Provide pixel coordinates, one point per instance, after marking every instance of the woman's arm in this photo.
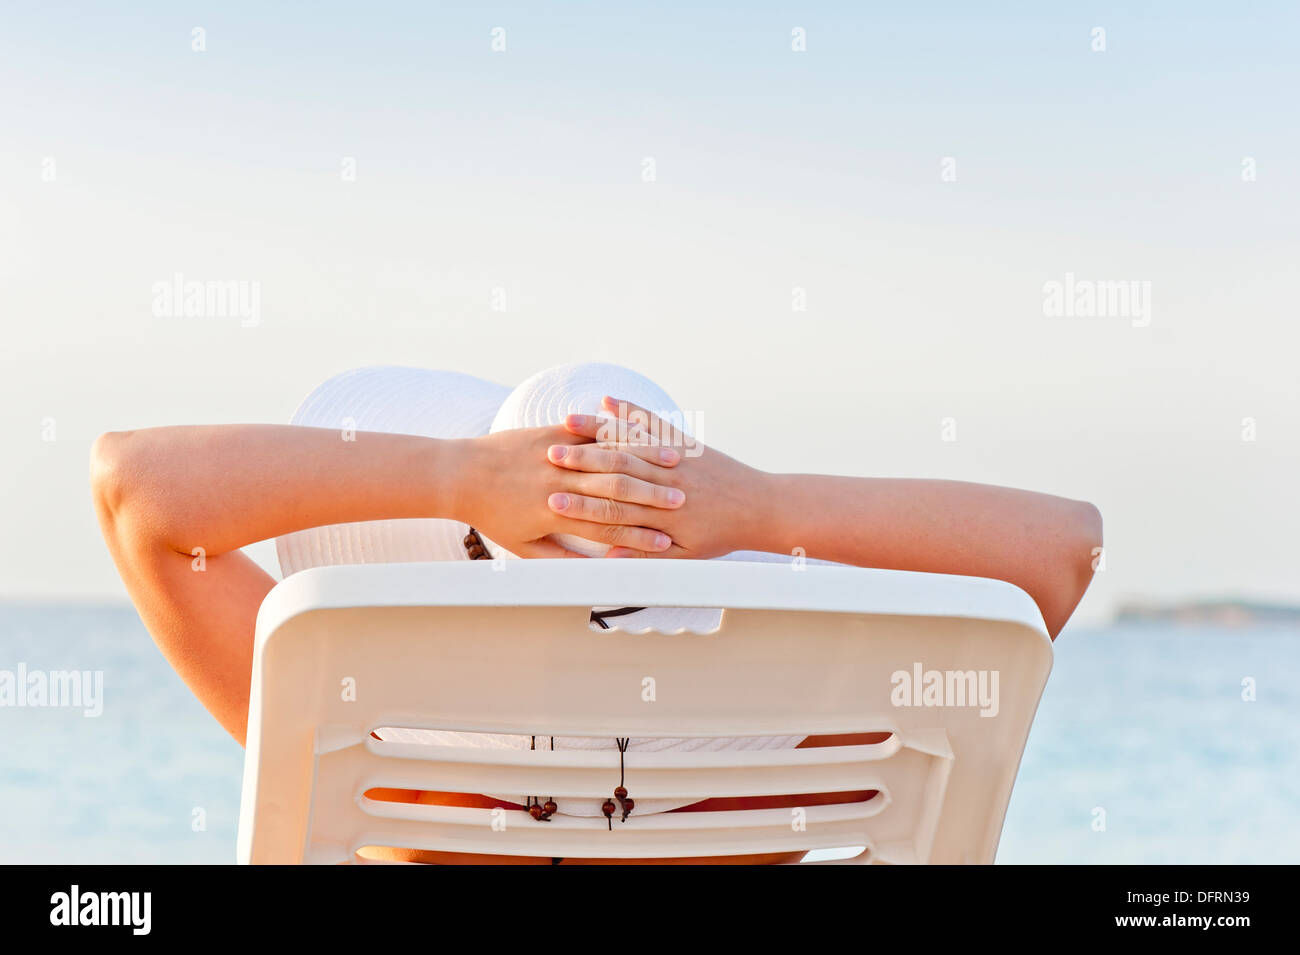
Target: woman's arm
(1043, 544)
(176, 504)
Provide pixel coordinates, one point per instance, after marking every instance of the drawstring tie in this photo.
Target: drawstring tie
(543, 811)
(620, 792)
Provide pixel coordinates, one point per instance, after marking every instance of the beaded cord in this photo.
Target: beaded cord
(543, 811)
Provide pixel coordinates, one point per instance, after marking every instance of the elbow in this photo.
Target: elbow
(105, 471)
(1080, 559)
(1088, 544)
(135, 514)
(110, 476)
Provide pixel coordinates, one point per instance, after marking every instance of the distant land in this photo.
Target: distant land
(1219, 613)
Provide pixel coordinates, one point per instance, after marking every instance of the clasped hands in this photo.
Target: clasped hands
(635, 483)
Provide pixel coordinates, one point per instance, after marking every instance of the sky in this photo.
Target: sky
(830, 231)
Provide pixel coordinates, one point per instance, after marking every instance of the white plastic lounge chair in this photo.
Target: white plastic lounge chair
(466, 647)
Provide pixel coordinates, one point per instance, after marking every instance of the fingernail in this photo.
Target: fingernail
(559, 501)
(676, 497)
(667, 455)
(558, 451)
(662, 541)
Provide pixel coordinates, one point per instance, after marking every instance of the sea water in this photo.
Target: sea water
(1153, 743)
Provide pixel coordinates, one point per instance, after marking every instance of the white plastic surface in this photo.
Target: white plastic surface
(473, 648)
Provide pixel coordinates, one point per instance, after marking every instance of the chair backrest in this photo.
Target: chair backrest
(953, 667)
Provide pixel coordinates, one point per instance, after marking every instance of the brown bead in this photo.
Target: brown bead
(628, 806)
(550, 807)
(535, 811)
(620, 793)
(607, 807)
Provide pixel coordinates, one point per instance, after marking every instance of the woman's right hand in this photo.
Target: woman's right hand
(509, 487)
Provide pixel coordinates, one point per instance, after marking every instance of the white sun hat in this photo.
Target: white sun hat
(442, 404)
(396, 400)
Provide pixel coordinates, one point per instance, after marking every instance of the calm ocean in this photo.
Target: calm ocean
(1143, 727)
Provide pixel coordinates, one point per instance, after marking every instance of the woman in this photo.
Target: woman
(436, 453)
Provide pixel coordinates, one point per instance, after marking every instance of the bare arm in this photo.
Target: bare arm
(163, 493)
(1045, 545)
(1041, 543)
